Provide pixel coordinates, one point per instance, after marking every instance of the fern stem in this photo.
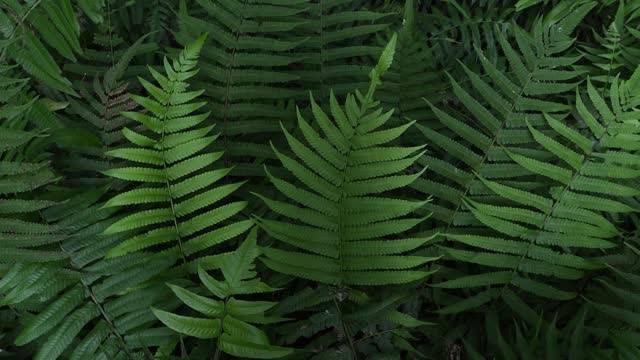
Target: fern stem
(108, 320)
(105, 145)
(173, 209)
(218, 354)
(228, 84)
(347, 333)
(110, 32)
(166, 176)
(345, 329)
(611, 57)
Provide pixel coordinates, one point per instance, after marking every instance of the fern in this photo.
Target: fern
(613, 50)
(242, 72)
(476, 147)
(454, 29)
(84, 306)
(161, 19)
(229, 318)
(499, 120)
(173, 169)
(413, 76)
(55, 24)
(590, 177)
(524, 113)
(567, 332)
(23, 175)
(340, 46)
(331, 235)
(93, 9)
(339, 232)
(50, 276)
(617, 299)
(353, 324)
(101, 122)
(107, 51)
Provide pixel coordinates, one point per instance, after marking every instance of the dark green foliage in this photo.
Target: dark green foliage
(245, 70)
(319, 179)
(55, 25)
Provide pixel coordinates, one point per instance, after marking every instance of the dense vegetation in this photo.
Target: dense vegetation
(319, 179)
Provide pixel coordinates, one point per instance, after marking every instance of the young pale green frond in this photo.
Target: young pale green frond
(229, 318)
(346, 235)
(174, 168)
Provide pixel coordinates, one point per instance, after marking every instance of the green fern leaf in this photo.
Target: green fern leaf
(173, 165)
(340, 220)
(229, 317)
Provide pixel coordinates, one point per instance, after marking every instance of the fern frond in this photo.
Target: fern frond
(229, 318)
(346, 197)
(22, 182)
(413, 76)
(572, 214)
(244, 70)
(616, 298)
(453, 30)
(97, 116)
(84, 307)
(173, 167)
(56, 25)
(338, 54)
(501, 112)
(612, 52)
